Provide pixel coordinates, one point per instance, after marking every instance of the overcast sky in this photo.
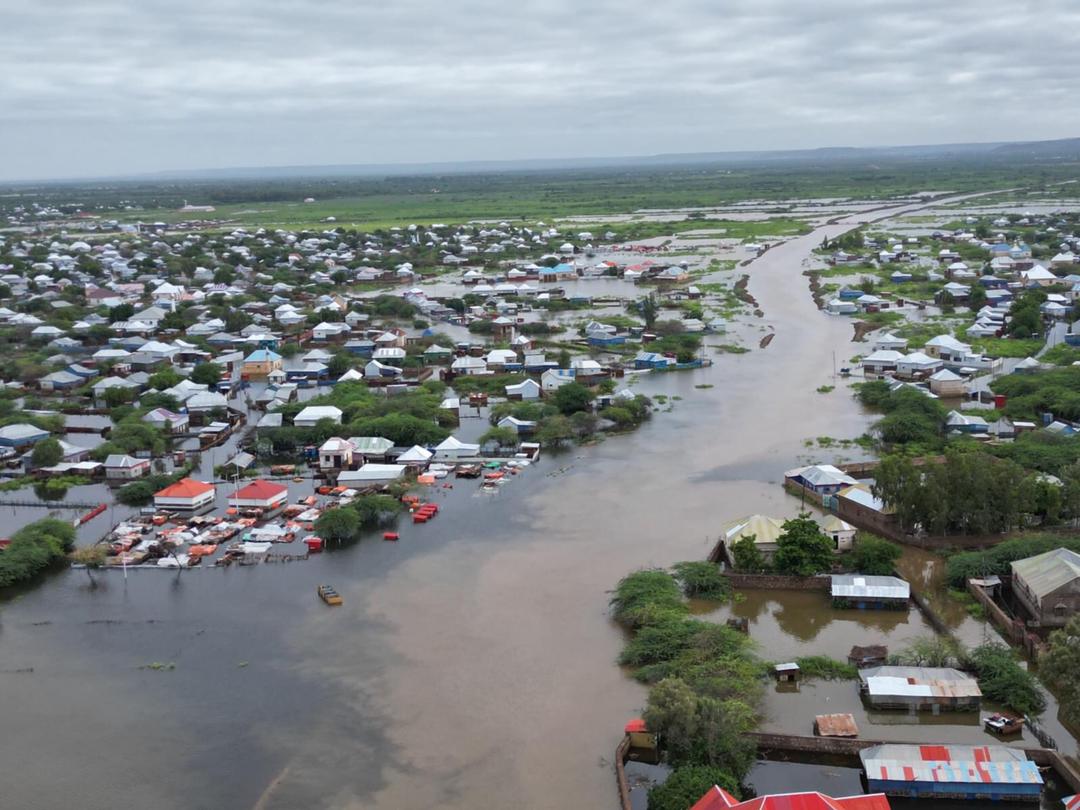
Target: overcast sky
(101, 87)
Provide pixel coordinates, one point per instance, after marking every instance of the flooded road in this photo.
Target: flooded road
(472, 664)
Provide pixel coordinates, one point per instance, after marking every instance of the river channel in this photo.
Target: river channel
(472, 664)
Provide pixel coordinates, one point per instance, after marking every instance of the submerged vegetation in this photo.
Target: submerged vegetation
(706, 680)
(33, 549)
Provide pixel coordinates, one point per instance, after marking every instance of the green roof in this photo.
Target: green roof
(1045, 573)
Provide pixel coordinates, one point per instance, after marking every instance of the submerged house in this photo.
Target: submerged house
(865, 591)
(931, 689)
(186, 494)
(974, 773)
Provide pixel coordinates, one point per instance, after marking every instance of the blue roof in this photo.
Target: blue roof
(262, 356)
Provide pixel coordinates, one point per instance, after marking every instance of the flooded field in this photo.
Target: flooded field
(472, 663)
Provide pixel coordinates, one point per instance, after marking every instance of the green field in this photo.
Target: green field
(371, 203)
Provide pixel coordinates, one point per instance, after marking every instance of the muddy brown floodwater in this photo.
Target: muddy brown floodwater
(472, 664)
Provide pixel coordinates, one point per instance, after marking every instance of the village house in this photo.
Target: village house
(335, 454)
(187, 494)
(119, 467)
(168, 420)
(260, 494)
(822, 479)
(1048, 586)
(260, 364)
(931, 689)
(313, 414)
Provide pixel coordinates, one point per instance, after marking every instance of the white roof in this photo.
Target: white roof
(372, 472)
(416, 453)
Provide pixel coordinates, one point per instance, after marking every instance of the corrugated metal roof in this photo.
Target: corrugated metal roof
(1045, 573)
(919, 682)
(988, 764)
(869, 587)
(836, 725)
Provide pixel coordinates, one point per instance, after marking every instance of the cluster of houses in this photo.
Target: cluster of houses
(1007, 268)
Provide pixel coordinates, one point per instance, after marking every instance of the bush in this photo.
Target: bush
(802, 550)
(826, 669)
(34, 548)
(686, 785)
(702, 580)
(645, 594)
(1003, 680)
(873, 555)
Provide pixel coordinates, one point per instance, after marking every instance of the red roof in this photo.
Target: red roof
(260, 490)
(720, 799)
(185, 488)
(1072, 802)
(635, 726)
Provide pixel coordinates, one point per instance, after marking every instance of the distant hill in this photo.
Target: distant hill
(1065, 149)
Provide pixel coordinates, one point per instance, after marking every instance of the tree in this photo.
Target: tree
(121, 312)
(1060, 666)
(747, 556)
(91, 558)
(554, 431)
(166, 378)
(46, 453)
(649, 309)
(564, 359)
(686, 785)
(501, 437)
(341, 523)
(873, 555)
(802, 550)
(206, 374)
(572, 397)
(33, 548)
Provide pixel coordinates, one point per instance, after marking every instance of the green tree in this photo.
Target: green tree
(873, 555)
(1060, 666)
(554, 431)
(341, 523)
(501, 437)
(649, 309)
(686, 785)
(747, 556)
(166, 378)
(572, 397)
(121, 312)
(801, 549)
(46, 453)
(206, 374)
(34, 548)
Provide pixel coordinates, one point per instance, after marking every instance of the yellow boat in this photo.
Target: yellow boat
(330, 596)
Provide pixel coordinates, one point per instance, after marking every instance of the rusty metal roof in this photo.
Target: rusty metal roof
(836, 725)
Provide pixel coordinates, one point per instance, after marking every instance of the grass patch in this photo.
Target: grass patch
(822, 667)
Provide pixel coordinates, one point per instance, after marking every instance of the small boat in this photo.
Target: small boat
(330, 596)
(1003, 724)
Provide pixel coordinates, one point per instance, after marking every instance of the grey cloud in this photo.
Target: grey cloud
(117, 86)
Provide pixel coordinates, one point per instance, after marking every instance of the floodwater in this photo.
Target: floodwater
(472, 664)
(791, 624)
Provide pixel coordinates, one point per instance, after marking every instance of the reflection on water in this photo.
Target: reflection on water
(789, 624)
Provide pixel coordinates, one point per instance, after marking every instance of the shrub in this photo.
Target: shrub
(686, 785)
(644, 594)
(873, 555)
(702, 580)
